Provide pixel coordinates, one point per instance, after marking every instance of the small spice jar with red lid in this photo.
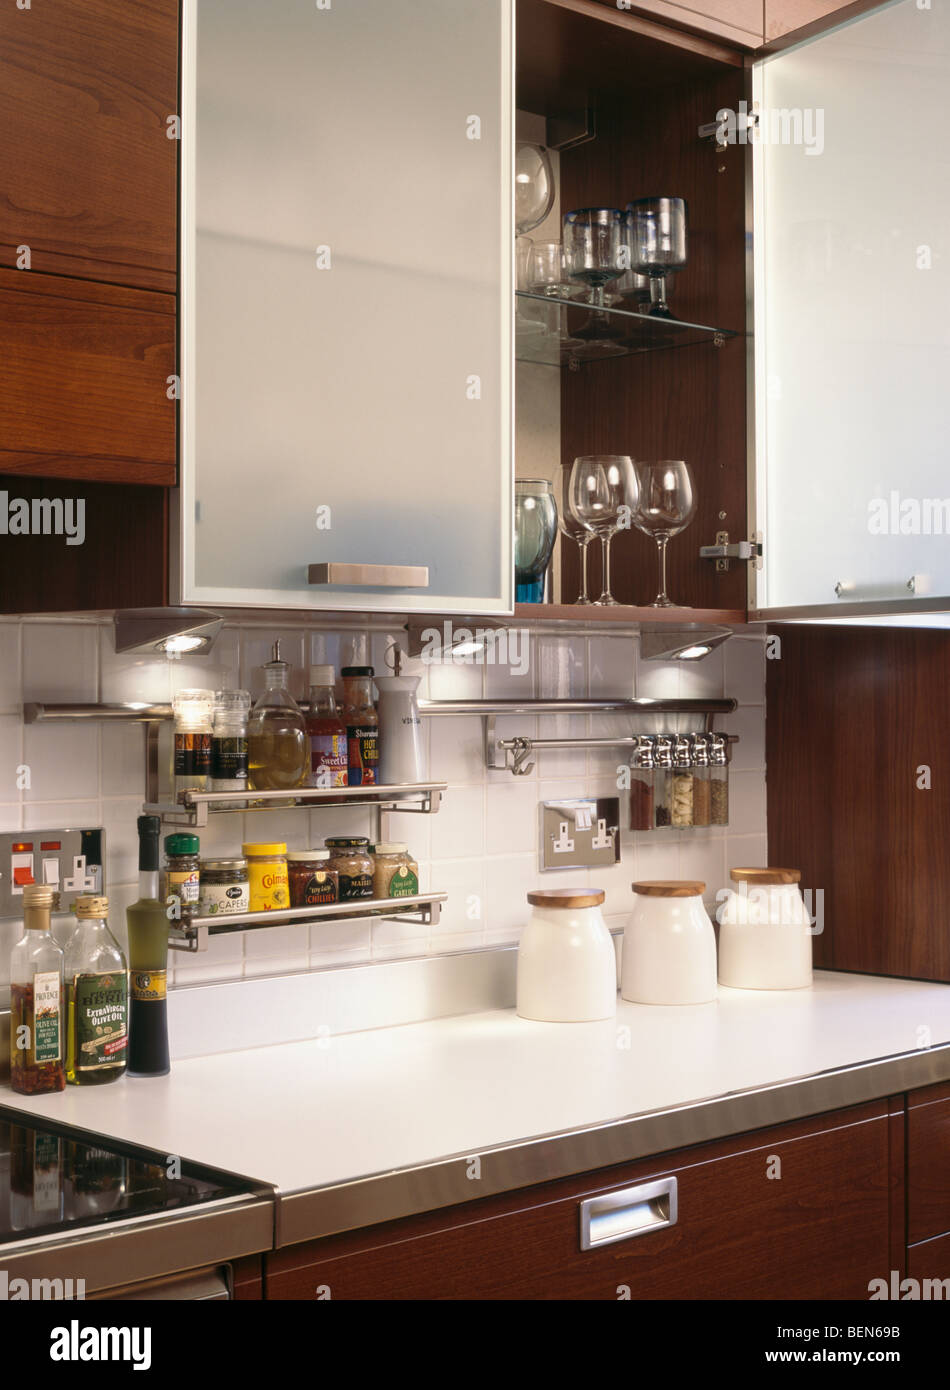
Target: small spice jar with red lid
(312, 881)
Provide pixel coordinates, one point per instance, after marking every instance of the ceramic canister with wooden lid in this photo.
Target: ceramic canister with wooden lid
(567, 966)
(669, 946)
(765, 932)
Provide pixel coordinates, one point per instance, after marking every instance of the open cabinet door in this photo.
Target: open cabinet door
(852, 320)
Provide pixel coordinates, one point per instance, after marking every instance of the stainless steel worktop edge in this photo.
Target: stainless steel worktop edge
(446, 1182)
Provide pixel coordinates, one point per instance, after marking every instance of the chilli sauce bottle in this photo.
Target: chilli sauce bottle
(148, 962)
(327, 732)
(37, 1031)
(362, 726)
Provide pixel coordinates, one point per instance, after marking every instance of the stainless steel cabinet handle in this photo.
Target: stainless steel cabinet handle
(375, 576)
(633, 1211)
(875, 590)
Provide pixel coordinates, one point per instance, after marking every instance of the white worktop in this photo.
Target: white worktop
(304, 1115)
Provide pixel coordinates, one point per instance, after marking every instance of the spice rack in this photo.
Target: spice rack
(193, 807)
(423, 907)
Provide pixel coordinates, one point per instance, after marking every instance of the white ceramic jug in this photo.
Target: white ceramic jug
(400, 728)
(567, 966)
(669, 946)
(765, 934)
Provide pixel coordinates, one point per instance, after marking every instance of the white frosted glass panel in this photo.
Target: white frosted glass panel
(853, 312)
(342, 394)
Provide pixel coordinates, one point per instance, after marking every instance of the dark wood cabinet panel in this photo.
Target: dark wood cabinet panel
(852, 719)
(928, 1163)
(85, 393)
(89, 175)
(247, 1279)
(800, 1211)
(930, 1260)
(122, 562)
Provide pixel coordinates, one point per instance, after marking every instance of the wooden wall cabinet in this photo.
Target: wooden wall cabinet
(820, 1231)
(928, 1166)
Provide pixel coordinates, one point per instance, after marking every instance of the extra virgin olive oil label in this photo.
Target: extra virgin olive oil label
(148, 984)
(47, 1016)
(101, 1019)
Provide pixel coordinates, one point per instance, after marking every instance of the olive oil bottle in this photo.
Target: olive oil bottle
(97, 998)
(148, 962)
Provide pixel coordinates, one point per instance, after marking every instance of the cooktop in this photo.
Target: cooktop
(54, 1180)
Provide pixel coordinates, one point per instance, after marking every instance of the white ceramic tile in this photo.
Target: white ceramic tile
(746, 852)
(458, 830)
(511, 817)
(605, 762)
(661, 679)
(748, 722)
(704, 859)
(455, 748)
(702, 678)
(410, 829)
(63, 761)
(120, 895)
(615, 882)
(657, 856)
(219, 669)
(339, 941)
(288, 826)
(744, 662)
(10, 816)
(223, 836)
(223, 960)
(563, 762)
(747, 803)
(123, 759)
(10, 694)
(612, 663)
(61, 815)
(128, 676)
(561, 672)
(447, 679)
(270, 950)
(118, 818)
(398, 940)
(61, 662)
(336, 820)
(11, 757)
(463, 913)
(512, 671)
(508, 882)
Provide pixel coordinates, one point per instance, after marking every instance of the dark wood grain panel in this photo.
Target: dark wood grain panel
(88, 175)
(85, 383)
(928, 1170)
(122, 563)
(930, 1260)
(684, 403)
(851, 716)
(738, 21)
(819, 1231)
(897, 1181)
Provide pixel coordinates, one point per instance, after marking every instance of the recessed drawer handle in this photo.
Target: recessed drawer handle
(375, 576)
(634, 1211)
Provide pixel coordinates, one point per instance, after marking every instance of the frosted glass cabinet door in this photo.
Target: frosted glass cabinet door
(346, 248)
(852, 197)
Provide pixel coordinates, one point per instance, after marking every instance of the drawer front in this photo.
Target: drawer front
(928, 1163)
(786, 1213)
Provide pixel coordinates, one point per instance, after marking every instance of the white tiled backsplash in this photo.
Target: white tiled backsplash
(481, 848)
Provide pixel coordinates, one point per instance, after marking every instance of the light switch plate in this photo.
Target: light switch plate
(68, 861)
(583, 832)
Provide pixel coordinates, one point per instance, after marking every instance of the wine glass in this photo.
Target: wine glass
(528, 322)
(534, 186)
(601, 485)
(574, 530)
(546, 274)
(666, 505)
(659, 244)
(595, 254)
(535, 534)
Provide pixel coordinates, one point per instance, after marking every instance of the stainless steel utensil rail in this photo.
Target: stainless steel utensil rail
(420, 907)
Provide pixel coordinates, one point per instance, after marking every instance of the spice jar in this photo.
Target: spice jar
(702, 796)
(362, 726)
(193, 728)
(224, 888)
(681, 798)
(182, 876)
(642, 767)
(312, 881)
(229, 742)
(353, 864)
(663, 781)
(719, 780)
(268, 879)
(395, 872)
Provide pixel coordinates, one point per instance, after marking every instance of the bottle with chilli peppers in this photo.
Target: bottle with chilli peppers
(36, 1002)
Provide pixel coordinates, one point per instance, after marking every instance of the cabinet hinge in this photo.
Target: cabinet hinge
(723, 552)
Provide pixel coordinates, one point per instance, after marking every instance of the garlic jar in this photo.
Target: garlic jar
(567, 966)
(765, 932)
(669, 946)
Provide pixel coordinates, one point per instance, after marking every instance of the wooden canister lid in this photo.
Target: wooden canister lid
(765, 876)
(669, 887)
(566, 897)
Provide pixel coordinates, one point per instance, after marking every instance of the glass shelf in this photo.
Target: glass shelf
(546, 328)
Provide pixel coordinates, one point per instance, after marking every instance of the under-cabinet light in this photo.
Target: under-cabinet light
(166, 631)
